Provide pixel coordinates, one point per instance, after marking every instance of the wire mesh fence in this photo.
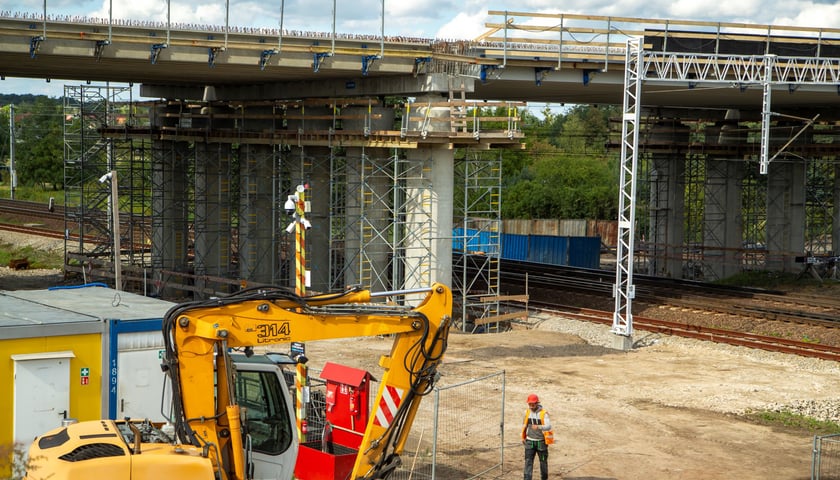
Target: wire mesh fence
(825, 460)
(446, 441)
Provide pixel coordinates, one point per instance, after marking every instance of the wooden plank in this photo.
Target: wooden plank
(500, 318)
(502, 298)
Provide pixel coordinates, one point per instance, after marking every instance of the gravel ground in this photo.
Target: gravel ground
(600, 335)
(30, 278)
(592, 334)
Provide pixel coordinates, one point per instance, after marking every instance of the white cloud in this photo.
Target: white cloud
(465, 25)
(450, 19)
(812, 15)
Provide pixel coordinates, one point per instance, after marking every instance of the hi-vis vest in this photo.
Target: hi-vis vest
(548, 434)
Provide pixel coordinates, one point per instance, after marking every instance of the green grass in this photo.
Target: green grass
(37, 258)
(32, 194)
(788, 419)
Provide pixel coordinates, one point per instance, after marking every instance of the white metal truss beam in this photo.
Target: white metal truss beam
(624, 290)
(738, 70)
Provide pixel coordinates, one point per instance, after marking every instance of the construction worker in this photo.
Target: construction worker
(537, 434)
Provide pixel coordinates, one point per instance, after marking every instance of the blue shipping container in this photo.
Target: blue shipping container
(582, 252)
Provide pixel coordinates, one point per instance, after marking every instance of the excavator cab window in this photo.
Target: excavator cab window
(266, 418)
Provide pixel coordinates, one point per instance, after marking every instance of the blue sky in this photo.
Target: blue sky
(462, 19)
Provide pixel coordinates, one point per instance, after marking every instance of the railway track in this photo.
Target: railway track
(34, 211)
(32, 230)
(806, 325)
(596, 287)
(32, 218)
(718, 335)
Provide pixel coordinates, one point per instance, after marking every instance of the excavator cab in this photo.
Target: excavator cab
(269, 436)
(232, 416)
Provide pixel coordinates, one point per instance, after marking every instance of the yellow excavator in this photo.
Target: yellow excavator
(229, 423)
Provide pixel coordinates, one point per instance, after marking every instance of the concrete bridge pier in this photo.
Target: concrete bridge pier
(170, 204)
(428, 213)
(258, 214)
(317, 177)
(667, 199)
(310, 166)
(370, 184)
(212, 213)
(785, 214)
(835, 214)
(722, 221)
(369, 174)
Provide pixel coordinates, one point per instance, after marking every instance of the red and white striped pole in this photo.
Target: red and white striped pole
(300, 289)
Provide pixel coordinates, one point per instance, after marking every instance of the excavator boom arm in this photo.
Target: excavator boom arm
(198, 336)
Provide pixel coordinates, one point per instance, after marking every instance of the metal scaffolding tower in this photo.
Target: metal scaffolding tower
(475, 269)
(88, 157)
(696, 69)
(218, 174)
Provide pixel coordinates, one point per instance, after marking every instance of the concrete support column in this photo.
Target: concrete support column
(370, 187)
(786, 198)
(723, 221)
(785, 215)
(835, 224)
(428, 214)
(722, 225)
(667, 212)
(212, 212)
(170, 204)
(352, 214)
(318, 237)
(170, 223)
(667, 204)
(258, 216)
(310, 166)
(372, 204)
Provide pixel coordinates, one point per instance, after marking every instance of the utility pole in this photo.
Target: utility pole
(114, 210)
(12, 172)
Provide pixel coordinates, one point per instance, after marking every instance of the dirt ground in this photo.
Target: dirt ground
(668, 410)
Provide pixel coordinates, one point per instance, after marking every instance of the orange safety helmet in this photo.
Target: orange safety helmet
(533, 398)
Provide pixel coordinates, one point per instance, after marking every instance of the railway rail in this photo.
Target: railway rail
(596, 287)
(32, 211)
(32, 218)
(806, 325)
(718, 335)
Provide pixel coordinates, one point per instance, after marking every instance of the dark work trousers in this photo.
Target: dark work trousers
(539, 449)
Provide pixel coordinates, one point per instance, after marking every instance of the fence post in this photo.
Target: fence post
(435, 431)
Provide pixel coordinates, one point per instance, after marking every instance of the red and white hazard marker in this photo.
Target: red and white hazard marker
(388, 406)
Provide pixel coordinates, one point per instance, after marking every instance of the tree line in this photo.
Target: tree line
(564, 171)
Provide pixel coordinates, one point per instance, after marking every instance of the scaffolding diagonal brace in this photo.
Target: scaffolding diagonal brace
(155, 50)
(265, 56)
(367, 61)
(420, 65)
(34, 45)
(212, 54)
(100, 47)
(318, 59)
